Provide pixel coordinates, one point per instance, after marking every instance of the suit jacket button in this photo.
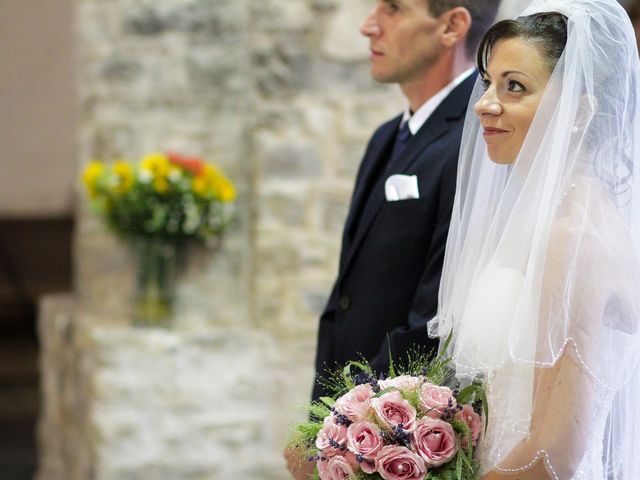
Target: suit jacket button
(344, 302)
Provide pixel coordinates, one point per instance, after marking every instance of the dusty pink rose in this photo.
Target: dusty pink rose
(468, 415)
(355, 403)
(400, 463)
(336, 468)
(435, 399)
(391, 409)
(331, 437)
(435, 441)
(368, 466)
(363, 438)
(323, 468)
(403, 382)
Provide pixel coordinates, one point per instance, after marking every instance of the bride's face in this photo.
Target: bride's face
(515, 79)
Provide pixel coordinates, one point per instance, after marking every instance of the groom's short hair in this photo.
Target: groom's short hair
(483, 14)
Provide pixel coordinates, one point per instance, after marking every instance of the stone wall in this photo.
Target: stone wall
(277, 92)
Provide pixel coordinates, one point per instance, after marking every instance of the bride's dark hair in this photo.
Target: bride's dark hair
(546, 30)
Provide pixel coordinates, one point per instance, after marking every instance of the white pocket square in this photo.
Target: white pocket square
(401, 187)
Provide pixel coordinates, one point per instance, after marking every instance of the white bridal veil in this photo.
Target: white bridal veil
(541, 283)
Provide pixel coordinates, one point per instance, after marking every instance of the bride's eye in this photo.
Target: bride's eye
(516, 87)
(485, 84)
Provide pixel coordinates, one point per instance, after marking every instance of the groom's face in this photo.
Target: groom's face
(403, 40)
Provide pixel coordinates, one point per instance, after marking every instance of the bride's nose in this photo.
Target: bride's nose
(488, 104)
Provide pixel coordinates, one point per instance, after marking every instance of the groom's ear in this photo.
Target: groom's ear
(456, 23)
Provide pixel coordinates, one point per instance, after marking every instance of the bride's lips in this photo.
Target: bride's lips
(490, 131)
(375, 53)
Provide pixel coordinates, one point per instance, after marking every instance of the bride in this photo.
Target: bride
(541, 284)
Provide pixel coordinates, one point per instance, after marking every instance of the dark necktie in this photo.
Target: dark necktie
(402, 138)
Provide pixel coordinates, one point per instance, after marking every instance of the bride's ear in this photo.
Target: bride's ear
(456, 22)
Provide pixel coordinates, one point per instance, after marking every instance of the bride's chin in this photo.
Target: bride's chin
(501, 160)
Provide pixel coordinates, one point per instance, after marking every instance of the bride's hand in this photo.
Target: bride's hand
(299, 468)
(537, 472)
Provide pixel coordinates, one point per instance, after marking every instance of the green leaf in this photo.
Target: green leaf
(392, 369)
(467, 394)
(466, 460)
(328, 401)
(459, 466)
(447, 341)
(485, 407)
(319, 411)
(365, 367)
(382, 392)
(346, 375)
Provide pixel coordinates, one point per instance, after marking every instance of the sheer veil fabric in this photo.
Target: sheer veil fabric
(541, 283)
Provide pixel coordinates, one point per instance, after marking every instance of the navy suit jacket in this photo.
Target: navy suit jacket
(391, 259)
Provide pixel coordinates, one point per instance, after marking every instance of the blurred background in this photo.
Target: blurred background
(275, 92)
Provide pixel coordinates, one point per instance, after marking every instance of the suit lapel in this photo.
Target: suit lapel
(372, 164)
(452, 108)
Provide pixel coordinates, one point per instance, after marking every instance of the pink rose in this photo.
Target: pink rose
(323, 468)
(435, 400)
(403, 382)
(336, 468)
(400, 463)
(332, 438)
(363, 438)
(392, 410)
(468, 415)
(355, 403)
(434, 440)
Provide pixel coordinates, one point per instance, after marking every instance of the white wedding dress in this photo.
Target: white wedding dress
(524, 425)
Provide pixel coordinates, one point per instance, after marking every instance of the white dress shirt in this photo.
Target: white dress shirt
(421, 115)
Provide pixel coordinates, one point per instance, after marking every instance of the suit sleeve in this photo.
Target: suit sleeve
(425, 301)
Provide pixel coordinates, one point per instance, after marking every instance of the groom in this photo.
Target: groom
(395, 233)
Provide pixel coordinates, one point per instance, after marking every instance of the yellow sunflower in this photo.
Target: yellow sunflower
(123, 172)
(90, 176)
(158, 166)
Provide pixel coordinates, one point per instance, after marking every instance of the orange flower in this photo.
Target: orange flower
(190, 164)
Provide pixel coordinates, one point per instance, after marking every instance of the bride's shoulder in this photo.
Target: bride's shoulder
(588, 224)
(586, 209)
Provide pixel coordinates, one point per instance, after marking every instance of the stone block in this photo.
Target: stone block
(288, 158)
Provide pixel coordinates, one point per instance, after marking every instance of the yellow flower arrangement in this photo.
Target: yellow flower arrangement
(165, 196)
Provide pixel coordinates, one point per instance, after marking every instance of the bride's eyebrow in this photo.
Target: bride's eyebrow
(510, 72)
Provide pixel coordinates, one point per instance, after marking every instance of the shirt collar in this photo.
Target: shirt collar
(421, 115)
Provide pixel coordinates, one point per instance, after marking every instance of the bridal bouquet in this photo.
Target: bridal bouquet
(408, 426)
(164, 196)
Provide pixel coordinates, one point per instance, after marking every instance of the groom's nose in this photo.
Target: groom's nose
(370, 27)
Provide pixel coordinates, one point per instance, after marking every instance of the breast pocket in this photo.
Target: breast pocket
(404, 218)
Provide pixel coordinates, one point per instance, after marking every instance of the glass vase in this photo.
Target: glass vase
(157, 262)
